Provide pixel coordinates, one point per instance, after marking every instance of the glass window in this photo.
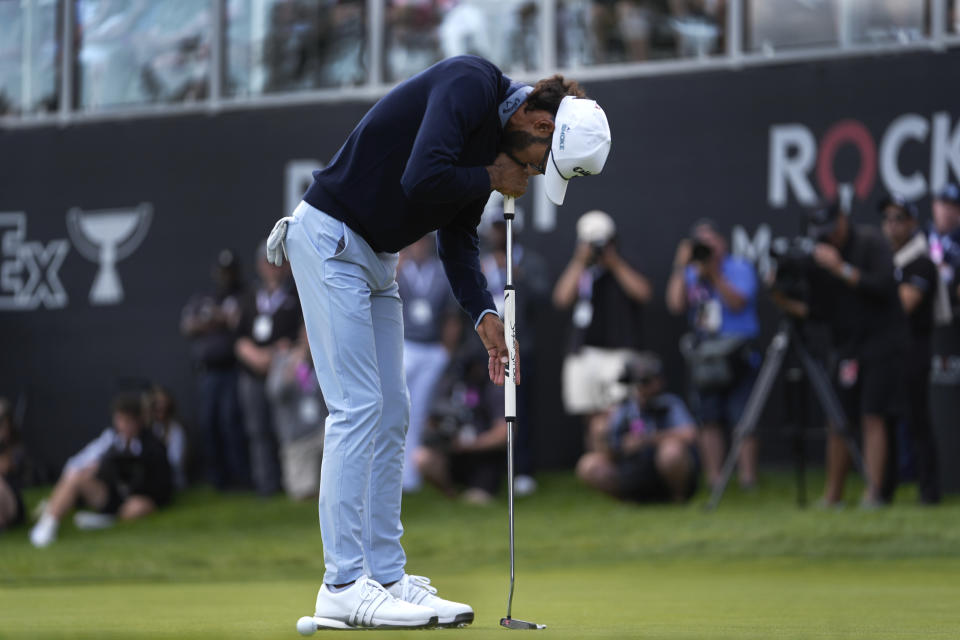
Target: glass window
(29, 56)
(882, 21)
(612, 31)
(141, 51)
(783, 24)
(294, 45)
(421, 32)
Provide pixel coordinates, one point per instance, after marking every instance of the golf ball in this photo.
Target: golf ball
(306, 626)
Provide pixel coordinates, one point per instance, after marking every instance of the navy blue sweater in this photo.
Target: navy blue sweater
(416, 162)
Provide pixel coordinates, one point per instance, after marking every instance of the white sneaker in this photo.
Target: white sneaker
(92, 521)
(367, 605)
(44, 532)
(417, 590)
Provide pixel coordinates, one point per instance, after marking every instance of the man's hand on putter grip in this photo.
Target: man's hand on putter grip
(490, 331)
(508, 177)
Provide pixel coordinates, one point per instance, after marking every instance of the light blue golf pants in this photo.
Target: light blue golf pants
(354, 320)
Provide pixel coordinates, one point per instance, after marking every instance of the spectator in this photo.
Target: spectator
(647, 449)
(412, 37)
(269, 319)
(463, 447)
(717, 291)
(298, 413)
(916, 277)
(168, 430)
(124, 473)
(531, 280)
(607, 296)
(852, 290)
(431, 331)
(210, 321)
(944, 240)
(621, 29)
(11, 457)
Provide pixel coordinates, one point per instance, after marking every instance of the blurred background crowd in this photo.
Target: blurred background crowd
(134, 52)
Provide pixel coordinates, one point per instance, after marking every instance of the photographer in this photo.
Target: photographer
(717, 291)
(649, 451)
(607, 297)
(466, 435)
(917, 281)
(851, 289)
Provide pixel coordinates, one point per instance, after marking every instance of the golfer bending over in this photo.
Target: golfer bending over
(425, 157)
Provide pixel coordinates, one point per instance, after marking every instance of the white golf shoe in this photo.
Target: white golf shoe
(367, 605)
(44, 532)
(417, 590)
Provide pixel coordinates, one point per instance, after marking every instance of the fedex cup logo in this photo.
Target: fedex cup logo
(106, 237)
(798, 162)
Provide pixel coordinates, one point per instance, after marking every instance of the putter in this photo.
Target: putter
(510, 401)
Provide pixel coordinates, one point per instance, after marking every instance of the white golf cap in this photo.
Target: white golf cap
(581, 142)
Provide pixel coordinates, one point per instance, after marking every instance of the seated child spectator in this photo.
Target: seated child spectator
(124, 473)
(648, 451)
(298, 413)
(466, 434)
(11, 456)
(167, 428)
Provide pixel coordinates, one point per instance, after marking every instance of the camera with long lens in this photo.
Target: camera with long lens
(794, 258)
(448, 418)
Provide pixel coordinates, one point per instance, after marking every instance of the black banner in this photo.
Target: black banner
(106, 229)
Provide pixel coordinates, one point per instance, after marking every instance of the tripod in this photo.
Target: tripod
(786, 341)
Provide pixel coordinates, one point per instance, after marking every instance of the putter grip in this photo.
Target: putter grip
(508, 206)
(510, 335)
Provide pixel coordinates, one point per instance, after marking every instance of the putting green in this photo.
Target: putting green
(588, 567)
(670, 600)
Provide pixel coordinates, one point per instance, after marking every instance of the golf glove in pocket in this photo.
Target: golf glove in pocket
(276, 249)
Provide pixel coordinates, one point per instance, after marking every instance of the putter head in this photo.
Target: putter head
(513, 623)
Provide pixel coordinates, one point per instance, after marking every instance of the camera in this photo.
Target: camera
(794, 258)
(700, 251)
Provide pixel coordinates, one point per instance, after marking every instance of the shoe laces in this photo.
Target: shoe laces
(371, 588)
(419, 583)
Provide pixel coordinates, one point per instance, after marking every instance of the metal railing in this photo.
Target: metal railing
(734, 54)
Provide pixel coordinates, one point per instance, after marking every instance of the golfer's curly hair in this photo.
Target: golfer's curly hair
(548, 93)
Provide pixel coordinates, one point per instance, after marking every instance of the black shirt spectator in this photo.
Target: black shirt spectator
(267, 316)
(867, 322)
(853, 290)
(270, 318)
(620, 323)
(917, 285)
(922, 274)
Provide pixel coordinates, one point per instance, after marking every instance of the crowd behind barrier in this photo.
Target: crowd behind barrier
(128, 53)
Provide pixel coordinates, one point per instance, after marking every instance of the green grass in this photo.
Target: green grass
(237, 566)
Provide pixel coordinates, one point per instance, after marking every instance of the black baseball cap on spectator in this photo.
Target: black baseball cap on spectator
(822, 221)
(949, 193)
(901, 203)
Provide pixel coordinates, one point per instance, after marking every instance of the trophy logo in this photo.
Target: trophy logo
(106, 237)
